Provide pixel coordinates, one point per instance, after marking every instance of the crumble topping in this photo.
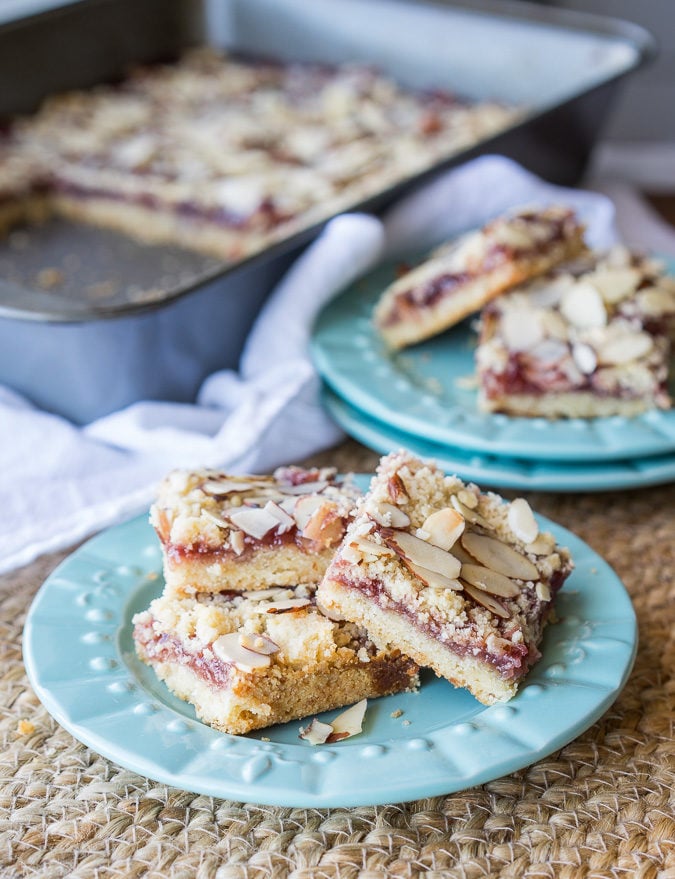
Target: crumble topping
(207, 510)
(249, 145)
(600, 324)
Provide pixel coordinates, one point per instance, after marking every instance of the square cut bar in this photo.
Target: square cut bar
(250, 660)
(462, 276)
(591, 338)
(220, 531)
(226, 155)
(461, 581)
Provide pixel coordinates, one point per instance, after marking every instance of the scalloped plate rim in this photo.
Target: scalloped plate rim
(264, 788)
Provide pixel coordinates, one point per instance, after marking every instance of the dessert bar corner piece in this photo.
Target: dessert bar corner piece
(250, 660)
(220, 531)
(461, 581)
(591, 338)
(460, 277)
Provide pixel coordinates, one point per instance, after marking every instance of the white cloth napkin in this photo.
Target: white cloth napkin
(60, 483)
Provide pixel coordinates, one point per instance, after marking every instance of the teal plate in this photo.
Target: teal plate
(503, 472)
(423, 391)
(80, 661)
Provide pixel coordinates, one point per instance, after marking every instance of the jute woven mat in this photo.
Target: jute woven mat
(601, 807)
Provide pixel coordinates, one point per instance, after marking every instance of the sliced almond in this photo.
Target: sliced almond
(468, 498)
(228, 648)
(543, 545)
(370, 547)
(329, 612)
(237, 541)
(324, 526)
(316, 733)
(521, 329)
(217, 520)
(258, 643)
(286, 522)
(390, 516)
(585, 358)
(305, 507)
(349, 723)
(490, 581)
(397, 490)
(469, 514)
(583, 307)
(615, 284)
(277, 593)
(304, 488)
(543, 591)
(655, 300)
(462, 555)
(444, 527)
(221, 488)
(521, 520)
(487, 601)
(624, 348)
(423, 554)
(499, 557)
(285, 605)
(433, 578)
(254, 521)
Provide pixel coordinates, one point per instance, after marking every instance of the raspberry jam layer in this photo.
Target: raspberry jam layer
(514, 660)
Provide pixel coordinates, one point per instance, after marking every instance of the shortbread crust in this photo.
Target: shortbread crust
(309, 662)
(461, 277)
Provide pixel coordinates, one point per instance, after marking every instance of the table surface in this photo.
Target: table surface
(601, 806)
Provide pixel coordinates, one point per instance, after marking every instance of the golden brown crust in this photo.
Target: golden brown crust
(319, 664)
(454, 623)
(459, 279)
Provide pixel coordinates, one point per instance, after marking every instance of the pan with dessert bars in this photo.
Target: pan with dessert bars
(92, 320)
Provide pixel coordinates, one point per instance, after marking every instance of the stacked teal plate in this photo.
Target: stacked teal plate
(424, 399)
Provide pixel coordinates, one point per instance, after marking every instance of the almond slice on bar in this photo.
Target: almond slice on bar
(370, 547)
(305, 507)
(469, 514)
(487, 601)
(286, 522)
(217, 520)
(304, 488)
(237, 541)
(490, 581)
(499, 557)
(254, 521)
(258, 643)
(521, 520)
(229, 486)
(390, 516)
(285, 605)
(444, 527)
(228, 648)
(432, 578)
(421, 553)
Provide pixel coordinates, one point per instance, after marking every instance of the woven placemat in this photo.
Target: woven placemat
(601, 807)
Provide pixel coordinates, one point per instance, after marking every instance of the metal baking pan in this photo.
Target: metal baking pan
(98, 341)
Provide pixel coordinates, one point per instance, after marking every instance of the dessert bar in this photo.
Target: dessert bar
(247, 661)
(462, 276)
(459, 580)
(591, 338)
(249, 532)
(226, 155)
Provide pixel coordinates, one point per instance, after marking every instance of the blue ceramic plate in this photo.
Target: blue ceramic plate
(423, 391)
(505, 472)
(81, 663)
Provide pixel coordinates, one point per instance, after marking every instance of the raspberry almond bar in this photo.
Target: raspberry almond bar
(220, 531)
(251, 660)
(461, 581)
(591, 338)
(462, 276)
